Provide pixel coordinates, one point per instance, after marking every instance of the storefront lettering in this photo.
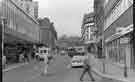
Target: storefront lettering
(124, 40)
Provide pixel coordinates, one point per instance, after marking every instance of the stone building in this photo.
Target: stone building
(48, 34)
(29, 6)
(88, 29)
(118, 29)
(114, 20)
(99, 23)
(20, 27)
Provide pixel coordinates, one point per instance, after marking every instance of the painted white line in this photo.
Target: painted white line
(33, 77)
(13, 67)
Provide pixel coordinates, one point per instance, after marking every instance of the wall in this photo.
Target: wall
(19, 21)
(123, 21)
(48, 34)
(114, 13)
(88, 27)
(99, 15)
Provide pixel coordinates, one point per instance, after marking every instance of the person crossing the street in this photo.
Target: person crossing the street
(87, 68)
(44, 60)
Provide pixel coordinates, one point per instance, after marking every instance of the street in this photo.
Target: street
(58, 72)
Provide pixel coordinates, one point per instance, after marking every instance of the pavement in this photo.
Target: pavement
(58, 72)
(13, 66)
(112, 71)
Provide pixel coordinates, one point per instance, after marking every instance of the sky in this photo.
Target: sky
(67, 15)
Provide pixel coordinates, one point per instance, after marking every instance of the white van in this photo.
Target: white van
(78, 58)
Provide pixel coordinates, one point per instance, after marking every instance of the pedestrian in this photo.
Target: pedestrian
(44, 60)
(33, 53)
(21, 57)
(4, 60)
(26, 55)
(87, 68)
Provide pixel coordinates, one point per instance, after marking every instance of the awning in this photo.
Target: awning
(124, 31)
(14, 36)
(89, 42)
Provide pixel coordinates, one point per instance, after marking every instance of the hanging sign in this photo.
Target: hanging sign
(124, 40)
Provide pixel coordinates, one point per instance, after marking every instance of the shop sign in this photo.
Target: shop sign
(124, 40)
(128, 29)
(125, 30)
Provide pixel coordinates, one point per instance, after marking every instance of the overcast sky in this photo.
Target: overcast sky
(66, 14)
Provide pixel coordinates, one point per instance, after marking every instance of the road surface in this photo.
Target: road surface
(58, 72)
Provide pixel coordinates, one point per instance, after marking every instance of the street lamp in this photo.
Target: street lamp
(125, 66)
(3, 27)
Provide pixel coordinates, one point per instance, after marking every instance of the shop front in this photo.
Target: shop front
(91, 46)
(119, 47)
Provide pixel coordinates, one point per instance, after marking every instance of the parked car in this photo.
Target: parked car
(78, 58)
(77, 61)
(63, 53)
(71, 51)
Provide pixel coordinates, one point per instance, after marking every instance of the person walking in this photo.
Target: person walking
(21, 57)
(4, 60)
(44, 60)
(87, 68)
(26, 55)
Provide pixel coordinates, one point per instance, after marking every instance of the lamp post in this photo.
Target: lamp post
(125, 66)
(3, 27)
(124, 42)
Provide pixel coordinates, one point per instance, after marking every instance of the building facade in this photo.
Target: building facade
(99, 23)
(118, 29)
(29, 6)
(48, 34)
(88, 28)
(20, 27)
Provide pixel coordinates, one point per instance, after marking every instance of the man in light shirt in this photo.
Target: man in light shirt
(44, 53)
(87, 67)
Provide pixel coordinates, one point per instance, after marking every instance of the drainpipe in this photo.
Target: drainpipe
(103, 52)
(125, 66)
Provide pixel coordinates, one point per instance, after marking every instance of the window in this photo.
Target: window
(129, 3)
(115, 13)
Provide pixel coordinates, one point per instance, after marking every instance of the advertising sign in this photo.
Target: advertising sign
(124, 40)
